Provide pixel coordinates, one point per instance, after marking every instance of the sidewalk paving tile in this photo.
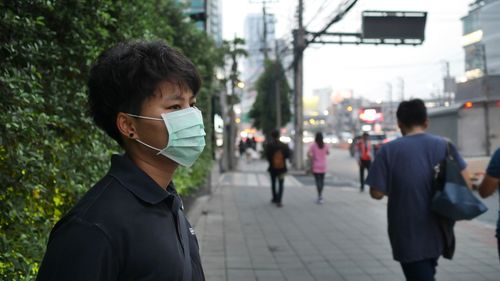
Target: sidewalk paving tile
(244, 237)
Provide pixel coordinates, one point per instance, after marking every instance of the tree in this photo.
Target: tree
(264, 111)
(232, 51)
(50, 151)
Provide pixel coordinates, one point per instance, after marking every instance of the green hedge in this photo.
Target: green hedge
(50, 151)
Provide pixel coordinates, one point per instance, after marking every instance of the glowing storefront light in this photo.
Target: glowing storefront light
(474, 73)
(370, 115)
(472, 37)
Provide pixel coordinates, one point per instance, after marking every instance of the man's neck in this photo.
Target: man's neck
(160, 170)
(415, 130)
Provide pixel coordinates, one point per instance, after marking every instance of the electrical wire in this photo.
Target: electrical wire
(316, 14)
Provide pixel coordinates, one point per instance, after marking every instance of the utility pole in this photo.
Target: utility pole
(232, 122)
(299, 45)
(449, 83)
(265, 48)
(402, 87)
(486, 93)
(448, 92)
(391, 110)
(277, 87)
(234, 51)
(264, 27)
(225, 133)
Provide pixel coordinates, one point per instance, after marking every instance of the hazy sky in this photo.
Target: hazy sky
(366, 69)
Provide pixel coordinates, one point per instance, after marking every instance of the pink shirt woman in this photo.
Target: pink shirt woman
(318, 157)
(318, 152)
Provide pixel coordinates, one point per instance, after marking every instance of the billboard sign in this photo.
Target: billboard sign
(394, 25)
(371, 115)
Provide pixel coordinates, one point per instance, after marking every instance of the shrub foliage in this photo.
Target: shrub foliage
(50, 152)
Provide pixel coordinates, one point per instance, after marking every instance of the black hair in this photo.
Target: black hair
(412, 113)
(124, 76)
(319, 139)
(275, 134)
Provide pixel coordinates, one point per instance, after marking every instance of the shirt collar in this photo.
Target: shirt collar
(137, 181)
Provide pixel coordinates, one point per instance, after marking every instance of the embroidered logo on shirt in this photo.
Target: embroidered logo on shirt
(191, 230)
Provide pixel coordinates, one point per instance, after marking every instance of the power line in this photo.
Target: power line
(343, 10)
(319, 11)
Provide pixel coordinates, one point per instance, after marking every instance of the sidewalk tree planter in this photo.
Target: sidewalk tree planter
(50, 151)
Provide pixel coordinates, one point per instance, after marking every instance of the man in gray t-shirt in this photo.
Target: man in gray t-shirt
(403, 171)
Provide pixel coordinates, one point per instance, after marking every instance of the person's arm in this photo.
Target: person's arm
(357, 154)
(466, 175)
(79, 251)
(488, 185)
(492, 178)
(287, 151)
(268, 152)
(378, 176)
(462, 164)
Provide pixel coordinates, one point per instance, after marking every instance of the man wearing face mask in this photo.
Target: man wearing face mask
(130, 225)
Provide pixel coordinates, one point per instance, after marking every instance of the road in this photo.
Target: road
(343, 172)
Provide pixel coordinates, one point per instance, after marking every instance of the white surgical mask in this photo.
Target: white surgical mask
(186, 135)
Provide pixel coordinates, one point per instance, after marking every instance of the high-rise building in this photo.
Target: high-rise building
(207, 15)
(324, 99)
(253, 65)
(481, 41)
(481, 38)
(214, 21)
(255, 44)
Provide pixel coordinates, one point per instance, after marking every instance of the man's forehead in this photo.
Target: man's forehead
(174, 91)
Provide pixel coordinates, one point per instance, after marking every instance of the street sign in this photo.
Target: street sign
(393, 25)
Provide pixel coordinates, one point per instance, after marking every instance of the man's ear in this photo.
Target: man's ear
(426, 124)
(402, 128)
(126, 126)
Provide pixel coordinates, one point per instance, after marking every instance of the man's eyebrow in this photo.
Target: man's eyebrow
(178, 97)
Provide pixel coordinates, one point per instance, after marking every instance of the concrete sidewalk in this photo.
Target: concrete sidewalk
(243, 237)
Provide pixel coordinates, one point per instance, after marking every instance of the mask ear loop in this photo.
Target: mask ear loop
(148, 118)
(144, 117)
(147, 145)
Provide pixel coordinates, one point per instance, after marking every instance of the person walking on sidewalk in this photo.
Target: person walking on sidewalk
(404, 172)
(363, 156)
(490, 183)
(276, 154)
(318, 152)
(130, 225)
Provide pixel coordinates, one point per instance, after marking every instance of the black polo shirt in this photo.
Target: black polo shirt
(124, 228)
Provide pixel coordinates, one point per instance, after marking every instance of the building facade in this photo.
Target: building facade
(481, 42)
(255, 44)
(207, 16)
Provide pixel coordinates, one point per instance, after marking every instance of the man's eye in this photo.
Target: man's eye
(173, 107)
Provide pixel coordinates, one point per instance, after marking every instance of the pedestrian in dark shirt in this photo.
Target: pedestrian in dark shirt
(241, 148)
(276, 154)
(404, 171)
(130, 225)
